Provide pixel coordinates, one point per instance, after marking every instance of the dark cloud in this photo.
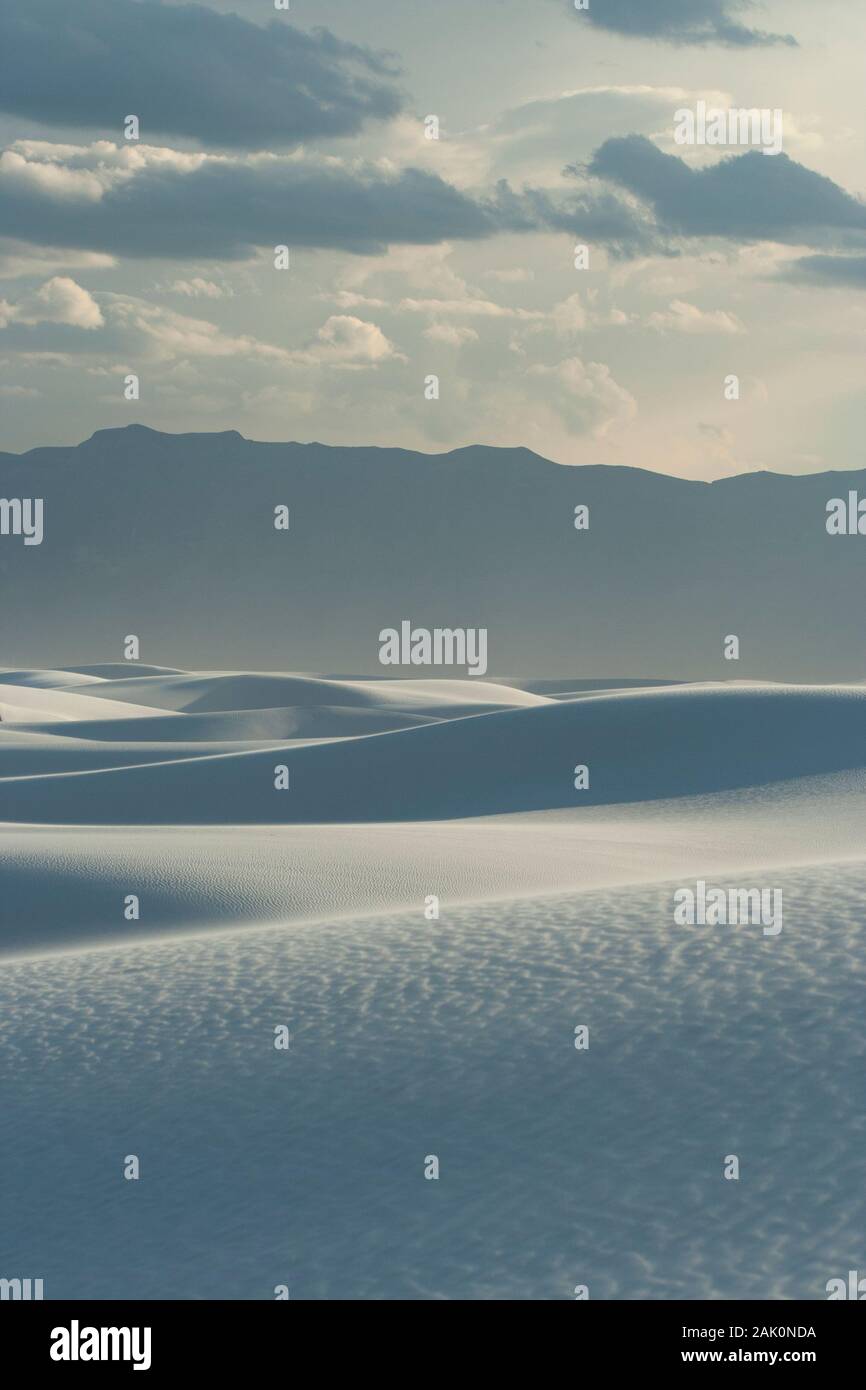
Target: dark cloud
(227, 209)
(598, 217)
(746, 197)
(186, 71)
(842, 272)
(632, 198)
(682, 21)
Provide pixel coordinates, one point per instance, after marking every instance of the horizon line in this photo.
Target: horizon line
(422, 453)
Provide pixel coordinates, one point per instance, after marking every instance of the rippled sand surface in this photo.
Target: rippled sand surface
(455, 1038)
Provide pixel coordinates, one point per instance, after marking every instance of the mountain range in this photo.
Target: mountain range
(172, 538)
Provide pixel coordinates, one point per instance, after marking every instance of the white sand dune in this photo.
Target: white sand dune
(412, 1036)
(46, 754)
(28, 701)
(236, 690)
(62, 887)
(48, 680)
(387, 804)
(239, 726)
(453, 1038)
(119, 670)
(638, 745)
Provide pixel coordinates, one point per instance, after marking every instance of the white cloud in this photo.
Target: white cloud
(452, 334)
(50, 179)
(169, 335)
(474, 308)
(96, 167)
(68, 302)
(84, 173)
(681, 317)
(199, 288)
(59, 300)
(18, 392)
(425, 268)
(18, 259)
(570, 316)
(514, 276)
(350, 299)
(349, 342)
(587, 396)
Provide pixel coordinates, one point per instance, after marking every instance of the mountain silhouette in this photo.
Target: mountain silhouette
(172, 538)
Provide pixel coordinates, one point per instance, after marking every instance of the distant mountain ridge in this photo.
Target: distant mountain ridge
(172, 538)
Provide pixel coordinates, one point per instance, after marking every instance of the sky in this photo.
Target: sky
(412, 258)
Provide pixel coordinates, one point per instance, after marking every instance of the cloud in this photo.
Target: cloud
(451, 333)
(18, 260)
(539, 142)
(67, 302)
(469, 307)
(129, 328)
(59, 300)
(745, 197)
(50, 179)
(681, 22)
(134, 328)
(681, 317)
(598, 218)
(162, 335)
(570, 316)
(161, 203)
(514, 276)
(189, 71)
(342, 341)
(351, 299)
(199, 288)
(347, 342)
(18, 392)
(586, 395)
(832, 271)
